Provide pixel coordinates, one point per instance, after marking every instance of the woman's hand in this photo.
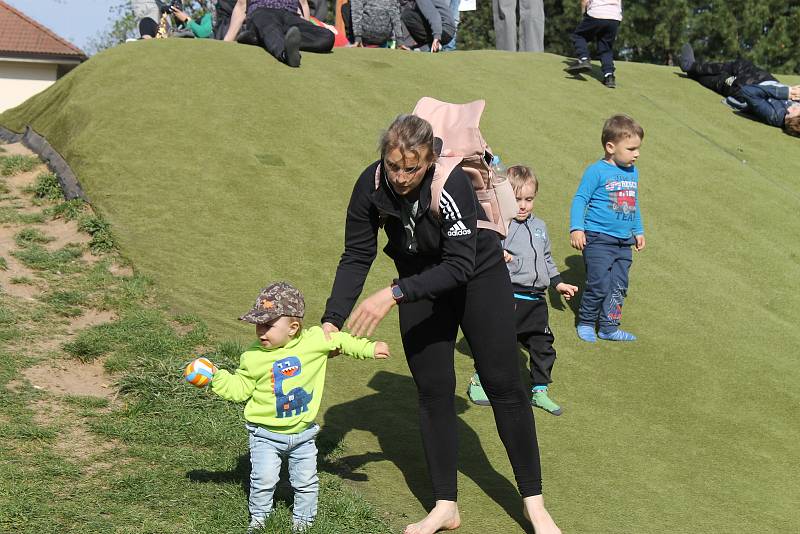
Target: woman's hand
(508, 257)
(367, 315)
(436, 46)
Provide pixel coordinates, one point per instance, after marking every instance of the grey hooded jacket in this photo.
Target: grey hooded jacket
(437, 14)
(532, 268)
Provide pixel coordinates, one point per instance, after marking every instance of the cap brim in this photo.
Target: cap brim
(258, 318)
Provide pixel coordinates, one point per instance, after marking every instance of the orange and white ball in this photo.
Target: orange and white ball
(199, 372)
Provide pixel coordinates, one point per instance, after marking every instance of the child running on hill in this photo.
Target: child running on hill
(532, 270)
(605, 221)
(601, 20)
(281, 376)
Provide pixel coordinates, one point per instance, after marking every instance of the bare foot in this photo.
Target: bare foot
(444, 516)
(535, 512)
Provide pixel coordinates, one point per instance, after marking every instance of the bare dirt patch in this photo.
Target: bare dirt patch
(76, 443)
(17, 149)
(16, 270)
(24, 180)
(72, 378)
(64, 233)
(120, 270)
(90, 318)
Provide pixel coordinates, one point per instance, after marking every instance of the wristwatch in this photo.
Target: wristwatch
(397, 293)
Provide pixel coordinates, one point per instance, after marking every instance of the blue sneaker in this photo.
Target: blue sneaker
(616, 335)
(586, 333)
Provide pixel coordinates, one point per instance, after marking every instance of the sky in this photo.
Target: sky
(75, 20)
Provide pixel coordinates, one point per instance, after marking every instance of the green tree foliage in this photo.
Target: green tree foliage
(765, 31)
(476, 29)
(123, 26)
(653, 31)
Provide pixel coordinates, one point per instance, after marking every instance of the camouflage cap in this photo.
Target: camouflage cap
(274, 301)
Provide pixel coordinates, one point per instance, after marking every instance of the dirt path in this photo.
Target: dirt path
(54, 374)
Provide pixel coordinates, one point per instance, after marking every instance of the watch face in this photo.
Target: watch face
(397, 293)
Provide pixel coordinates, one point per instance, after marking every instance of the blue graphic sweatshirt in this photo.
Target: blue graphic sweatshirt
(607, 201)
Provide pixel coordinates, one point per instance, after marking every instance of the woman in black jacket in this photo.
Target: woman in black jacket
(450, 274)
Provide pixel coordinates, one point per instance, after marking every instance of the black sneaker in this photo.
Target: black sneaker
(292, 46)
(582, 65)
(687, 57)
(609, 81)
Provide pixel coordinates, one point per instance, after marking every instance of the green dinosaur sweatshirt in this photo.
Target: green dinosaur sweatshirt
(283, 386)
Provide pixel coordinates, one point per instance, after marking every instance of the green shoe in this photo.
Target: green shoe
(475, 392)
(539, 399)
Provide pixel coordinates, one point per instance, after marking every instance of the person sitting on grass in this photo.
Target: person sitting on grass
(282, 376)
(372, 22)
(281, 27)
(747, 88)
(605, 222)
(526, 251)
(182, 24)
(429, 23)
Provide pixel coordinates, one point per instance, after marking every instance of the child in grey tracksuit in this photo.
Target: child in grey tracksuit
(530, 264)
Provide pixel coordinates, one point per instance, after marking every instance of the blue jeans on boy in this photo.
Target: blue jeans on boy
(604, 31)
(267, 451)
(608, 260)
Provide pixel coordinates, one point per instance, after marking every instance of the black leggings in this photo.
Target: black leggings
(484, 308)
(272, 25)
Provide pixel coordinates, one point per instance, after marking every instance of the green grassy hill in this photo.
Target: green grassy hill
(220, 170)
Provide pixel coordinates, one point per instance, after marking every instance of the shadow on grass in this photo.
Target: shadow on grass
(390, 414)
(574, 274)
(581, 76)
(241, 475)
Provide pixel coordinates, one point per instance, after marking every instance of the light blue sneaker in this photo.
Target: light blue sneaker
(540, 399)
(586, 333)
(617, 335)
(475, 391)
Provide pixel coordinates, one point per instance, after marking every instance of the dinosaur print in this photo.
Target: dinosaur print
(295, 400)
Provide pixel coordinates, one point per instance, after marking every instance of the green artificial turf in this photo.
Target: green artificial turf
(220, 170)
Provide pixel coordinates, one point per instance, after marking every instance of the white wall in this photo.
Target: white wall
(20, 81)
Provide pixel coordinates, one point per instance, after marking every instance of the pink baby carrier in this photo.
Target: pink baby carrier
(456, 128)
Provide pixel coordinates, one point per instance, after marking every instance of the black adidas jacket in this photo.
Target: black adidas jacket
(450, 248)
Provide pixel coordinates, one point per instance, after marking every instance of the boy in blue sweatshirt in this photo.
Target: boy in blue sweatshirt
(605, 221)
(527, 253)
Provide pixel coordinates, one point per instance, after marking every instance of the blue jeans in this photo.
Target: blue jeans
(267, 451)
(608, 260)
(451, 45)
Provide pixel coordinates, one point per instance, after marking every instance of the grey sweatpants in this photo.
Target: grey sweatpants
(531, 25)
